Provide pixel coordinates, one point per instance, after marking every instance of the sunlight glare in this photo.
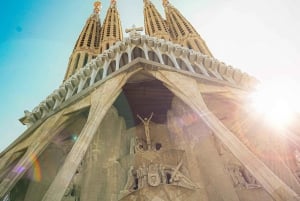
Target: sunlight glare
(276, 101)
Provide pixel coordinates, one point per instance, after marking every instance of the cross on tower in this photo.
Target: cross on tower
(134, 30)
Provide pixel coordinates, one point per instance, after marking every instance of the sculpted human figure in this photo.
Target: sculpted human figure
(146, 122)
(130, 180)
(144, 173)
(162, 174)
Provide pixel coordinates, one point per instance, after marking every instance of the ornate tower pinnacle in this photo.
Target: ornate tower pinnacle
(182, 31)
(155, 25)
(111, 29)
(88, 43)
(97, 6)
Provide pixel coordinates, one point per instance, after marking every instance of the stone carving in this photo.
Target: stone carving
(73, 193)
(146, 122)
(155, 175)
(241, 177)
(133, 32)
(130, 184)
(132, 146)
(154, 178)
(140, 145)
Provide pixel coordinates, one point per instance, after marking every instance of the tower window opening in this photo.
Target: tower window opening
(86, 58)
(90, 36)
(76, 63)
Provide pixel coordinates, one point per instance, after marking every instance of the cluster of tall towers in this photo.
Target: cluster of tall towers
(96, 37)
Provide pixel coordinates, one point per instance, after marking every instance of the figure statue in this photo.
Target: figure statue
(144, 171)
(140, 145)
(146, 122)
(242, 178)
(162, 174)
(129, 186)
(139, 176)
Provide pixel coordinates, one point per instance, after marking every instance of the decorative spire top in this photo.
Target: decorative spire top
(97, 7)
(165, 2)
(113, 3)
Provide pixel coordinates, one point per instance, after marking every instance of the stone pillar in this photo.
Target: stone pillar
(101, 169)
(205, 165)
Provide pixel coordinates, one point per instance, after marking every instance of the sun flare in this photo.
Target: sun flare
(277, 102)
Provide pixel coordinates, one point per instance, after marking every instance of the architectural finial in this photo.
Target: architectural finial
(97, 6)
(165, 2)
(134, 31)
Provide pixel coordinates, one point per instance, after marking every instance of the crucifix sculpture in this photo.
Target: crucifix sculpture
(146, 122)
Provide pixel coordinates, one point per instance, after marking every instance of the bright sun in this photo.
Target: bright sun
(277, 101)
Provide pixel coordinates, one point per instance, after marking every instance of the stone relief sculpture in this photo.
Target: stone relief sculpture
(140, 145)
(130, 184)
(73, 192)
(241, 177)
(154, 175)
(154, 178)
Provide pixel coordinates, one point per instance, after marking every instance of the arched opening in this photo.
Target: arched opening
(87, 83)
(99, 75)
(167, 60)
(86, 59)
(124, 59)
(111, 67)
(182, 64)
(75, 66)
(153, 57)
(197, 69)
(137, 52)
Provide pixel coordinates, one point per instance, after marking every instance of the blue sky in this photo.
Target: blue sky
(37, 38)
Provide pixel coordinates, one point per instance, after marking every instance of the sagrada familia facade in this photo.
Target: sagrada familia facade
(151, 117)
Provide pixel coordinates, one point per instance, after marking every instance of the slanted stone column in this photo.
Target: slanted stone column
(205, 165)
(101, 169)
(101, 100)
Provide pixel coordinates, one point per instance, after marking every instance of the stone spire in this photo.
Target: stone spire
(88, 43)
(182, 31)
(111, 29)
(155, 25)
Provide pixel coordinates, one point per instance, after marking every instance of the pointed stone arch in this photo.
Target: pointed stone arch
(167, 60)
(153, 56)
(182, 64)
(137, 52)
(124, 59)
(111, 67)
